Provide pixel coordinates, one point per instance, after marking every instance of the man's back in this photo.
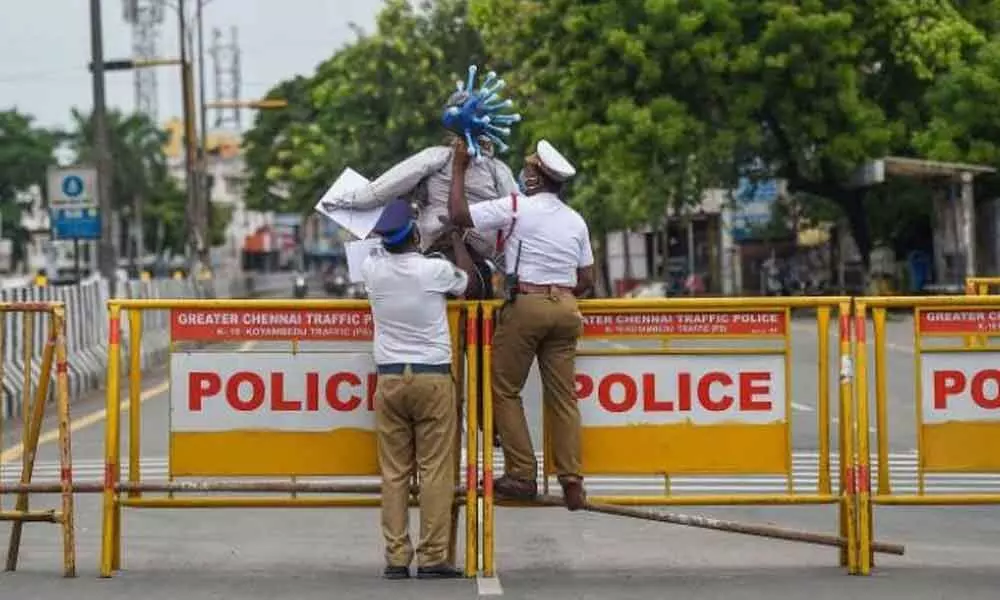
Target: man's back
(407, 294)
(554, 239)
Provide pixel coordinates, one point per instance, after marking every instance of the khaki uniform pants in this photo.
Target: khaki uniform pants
(546, 326)
(417, 422)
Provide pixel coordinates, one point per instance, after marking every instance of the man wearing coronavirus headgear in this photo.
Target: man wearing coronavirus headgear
(424, 178)
(549, 262)
(416, 411)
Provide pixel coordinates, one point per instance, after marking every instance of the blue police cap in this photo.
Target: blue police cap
(396, 222)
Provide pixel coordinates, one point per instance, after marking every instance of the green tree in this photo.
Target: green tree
(373, 103)
(675, 95)
(26, 152)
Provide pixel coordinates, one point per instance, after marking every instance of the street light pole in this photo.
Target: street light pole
(107, 261)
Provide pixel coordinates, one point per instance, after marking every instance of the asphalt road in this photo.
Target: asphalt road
(541, 553)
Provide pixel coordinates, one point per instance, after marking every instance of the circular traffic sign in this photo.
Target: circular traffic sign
(72, 186)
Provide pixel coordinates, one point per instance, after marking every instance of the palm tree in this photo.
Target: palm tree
(140, 173)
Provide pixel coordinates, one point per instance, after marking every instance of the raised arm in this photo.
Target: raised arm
(458, 204)
(484, 216)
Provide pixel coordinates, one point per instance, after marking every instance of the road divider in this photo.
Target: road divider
(87, 330)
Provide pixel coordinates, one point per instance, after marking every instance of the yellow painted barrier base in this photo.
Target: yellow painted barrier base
(273, 453)
(686, 449)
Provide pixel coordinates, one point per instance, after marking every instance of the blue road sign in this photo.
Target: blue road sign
(76, 223)
(72, 186)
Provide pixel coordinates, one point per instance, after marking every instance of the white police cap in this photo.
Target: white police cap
(553, 163)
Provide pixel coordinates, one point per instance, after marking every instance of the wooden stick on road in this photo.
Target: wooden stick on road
(703, 522)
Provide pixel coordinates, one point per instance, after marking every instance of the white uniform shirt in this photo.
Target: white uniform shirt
(407, 295)
(554, 238)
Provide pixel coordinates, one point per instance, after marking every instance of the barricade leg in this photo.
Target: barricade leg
(32, 419)
(472, 324)
(111, 514)
(848, 521)
(134, 394)
(457, 362)
(33, 416)
(861, 474)
(65, 449)
(488, 524)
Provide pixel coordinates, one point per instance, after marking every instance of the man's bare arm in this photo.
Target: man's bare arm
(458, 205)
(463, 260)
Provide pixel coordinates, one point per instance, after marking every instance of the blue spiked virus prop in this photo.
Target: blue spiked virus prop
(475, 114)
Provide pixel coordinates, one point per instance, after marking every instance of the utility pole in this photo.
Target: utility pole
(195, 240)
(205, 199)
(107, 261)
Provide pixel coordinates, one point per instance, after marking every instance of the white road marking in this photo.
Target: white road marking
(802, 407)
(805, 467)
(489, 586)
(871, 428)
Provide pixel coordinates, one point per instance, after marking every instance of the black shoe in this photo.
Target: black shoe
(439, 572)
(392, 572)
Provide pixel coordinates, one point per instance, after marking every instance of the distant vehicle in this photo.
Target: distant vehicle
(336, 282)
(300, 287)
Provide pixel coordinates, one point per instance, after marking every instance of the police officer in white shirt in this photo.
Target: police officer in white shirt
(415, 399)
(549, 262)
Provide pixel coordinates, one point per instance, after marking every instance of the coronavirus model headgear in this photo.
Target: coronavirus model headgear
(475, 114)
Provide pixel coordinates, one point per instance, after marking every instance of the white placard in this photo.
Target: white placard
(272, 391)
(357, 251)
(621, 391)
(960, 387)
(358, 222)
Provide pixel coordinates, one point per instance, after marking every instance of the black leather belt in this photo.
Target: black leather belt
(415, 368)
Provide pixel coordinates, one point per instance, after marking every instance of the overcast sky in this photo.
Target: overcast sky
(45, 48)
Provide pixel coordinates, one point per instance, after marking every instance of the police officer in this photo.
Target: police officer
(549, 262)
(415, 401)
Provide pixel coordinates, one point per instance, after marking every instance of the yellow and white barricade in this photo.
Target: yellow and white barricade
(273, 389)
(955, 399)
(715, 400)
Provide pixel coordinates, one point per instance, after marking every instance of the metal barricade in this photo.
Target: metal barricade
(33, 403)
(239, 410)
(956, 399)
(714, 401)
(979, 286)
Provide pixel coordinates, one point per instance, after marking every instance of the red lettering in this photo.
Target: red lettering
(584, 385)
(202, 384)
(946, 383)
(278, 402)
(257, 391)
(753, 384)
(684, 392)
(979, 381)
(604, 393)
(649, 401)
(704, 392)
(312, 392)
(332, 392)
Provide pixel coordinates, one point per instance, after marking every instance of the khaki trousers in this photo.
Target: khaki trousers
(546, 326)
(417, 421)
